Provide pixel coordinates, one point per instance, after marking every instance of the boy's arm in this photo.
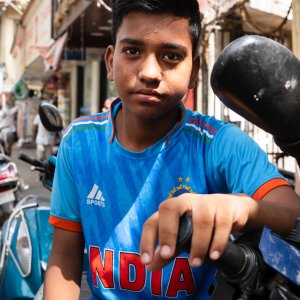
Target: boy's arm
(63, 274)
(215, 216)
(278, 210)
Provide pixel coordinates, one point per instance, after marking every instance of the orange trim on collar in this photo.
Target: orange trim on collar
(65, 224)
(268, 186)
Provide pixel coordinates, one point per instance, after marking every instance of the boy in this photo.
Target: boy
(148, 161)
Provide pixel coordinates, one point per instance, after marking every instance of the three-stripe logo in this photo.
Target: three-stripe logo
(96, 196)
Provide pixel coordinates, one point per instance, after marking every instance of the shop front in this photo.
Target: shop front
(32, 40)
(87, 26)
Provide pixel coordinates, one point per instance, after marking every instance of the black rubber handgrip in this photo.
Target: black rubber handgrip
(232, 262)
(233, 259)
(185, 233)
(30, 160)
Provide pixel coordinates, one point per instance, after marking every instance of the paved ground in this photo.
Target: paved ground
(35, 187)
(30, 177)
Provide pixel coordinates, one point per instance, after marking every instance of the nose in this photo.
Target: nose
(150, 70)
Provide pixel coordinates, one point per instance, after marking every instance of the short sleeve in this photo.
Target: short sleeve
(236, 164)
(64, 198)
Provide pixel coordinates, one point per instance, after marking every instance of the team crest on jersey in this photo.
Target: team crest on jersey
(181, 188)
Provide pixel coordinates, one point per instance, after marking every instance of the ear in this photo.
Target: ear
(195, 72)
(109, 55)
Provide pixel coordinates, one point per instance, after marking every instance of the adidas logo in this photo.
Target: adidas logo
(95, 197)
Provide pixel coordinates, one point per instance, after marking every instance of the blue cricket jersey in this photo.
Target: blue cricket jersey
(108, 192)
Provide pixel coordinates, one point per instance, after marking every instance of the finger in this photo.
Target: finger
(203, 226)
(158, 262)
(148, 239)
(169, 214)
(222, 230)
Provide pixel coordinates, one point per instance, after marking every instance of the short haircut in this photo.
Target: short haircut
(188, 9)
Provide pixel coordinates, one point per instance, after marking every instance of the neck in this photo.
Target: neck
(136, 134)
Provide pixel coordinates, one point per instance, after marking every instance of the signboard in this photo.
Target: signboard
(73, 53)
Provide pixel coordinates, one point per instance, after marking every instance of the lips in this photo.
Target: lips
(147, 92)
(147, 96)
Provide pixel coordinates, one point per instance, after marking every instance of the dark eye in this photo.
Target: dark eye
(131, 51)
(173, 57)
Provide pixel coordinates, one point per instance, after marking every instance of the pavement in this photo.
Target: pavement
(30, 178)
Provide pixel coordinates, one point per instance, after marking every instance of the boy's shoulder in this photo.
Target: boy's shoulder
(94, 118)
(204, 123)
(88, 122)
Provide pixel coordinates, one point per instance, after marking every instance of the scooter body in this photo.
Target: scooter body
(27, 237)
(25, 247)
(10, 185)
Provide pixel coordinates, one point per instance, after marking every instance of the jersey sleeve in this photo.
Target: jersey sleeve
(236, 164)
(65, 212)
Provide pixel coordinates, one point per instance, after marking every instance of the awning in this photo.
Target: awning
(46, 64)
(35, 72)
(53, 57)
(260, 22)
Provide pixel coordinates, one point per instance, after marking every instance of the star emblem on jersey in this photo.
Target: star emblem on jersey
(95, 197)
(182, 188)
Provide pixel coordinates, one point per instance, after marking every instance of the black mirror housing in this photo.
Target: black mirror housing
(50, 117)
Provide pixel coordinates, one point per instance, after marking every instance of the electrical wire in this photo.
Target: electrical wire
(105, 5)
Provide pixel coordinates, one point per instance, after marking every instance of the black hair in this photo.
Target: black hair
(179, 8)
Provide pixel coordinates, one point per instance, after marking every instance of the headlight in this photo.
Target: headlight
(24, 249)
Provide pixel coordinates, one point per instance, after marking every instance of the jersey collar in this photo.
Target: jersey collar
(117, 104)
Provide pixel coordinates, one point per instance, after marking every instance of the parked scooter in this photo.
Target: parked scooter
(26, 239)
(259, 79)
(10, 187)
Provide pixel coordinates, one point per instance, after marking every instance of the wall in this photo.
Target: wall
(37, 23)
(6, 41)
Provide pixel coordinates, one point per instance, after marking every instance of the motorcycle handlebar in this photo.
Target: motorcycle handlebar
(32, 161)
(236, 262)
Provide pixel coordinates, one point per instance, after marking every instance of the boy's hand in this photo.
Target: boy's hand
(214, 217)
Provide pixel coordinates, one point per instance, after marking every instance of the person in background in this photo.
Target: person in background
(107, 103)
(45, 140)
(8, 131)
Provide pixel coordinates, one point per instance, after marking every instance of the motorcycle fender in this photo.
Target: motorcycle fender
(280, 255)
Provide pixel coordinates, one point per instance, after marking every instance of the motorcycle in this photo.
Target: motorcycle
(10, 187)
(26, 239)
(258, 79)
(26, 236)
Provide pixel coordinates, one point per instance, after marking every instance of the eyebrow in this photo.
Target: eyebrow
(135, 42)
(132, 42)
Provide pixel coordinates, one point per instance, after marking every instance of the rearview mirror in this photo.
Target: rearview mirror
(50, 117)
(259, 79)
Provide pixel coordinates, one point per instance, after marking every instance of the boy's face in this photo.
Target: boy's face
(152, 64)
